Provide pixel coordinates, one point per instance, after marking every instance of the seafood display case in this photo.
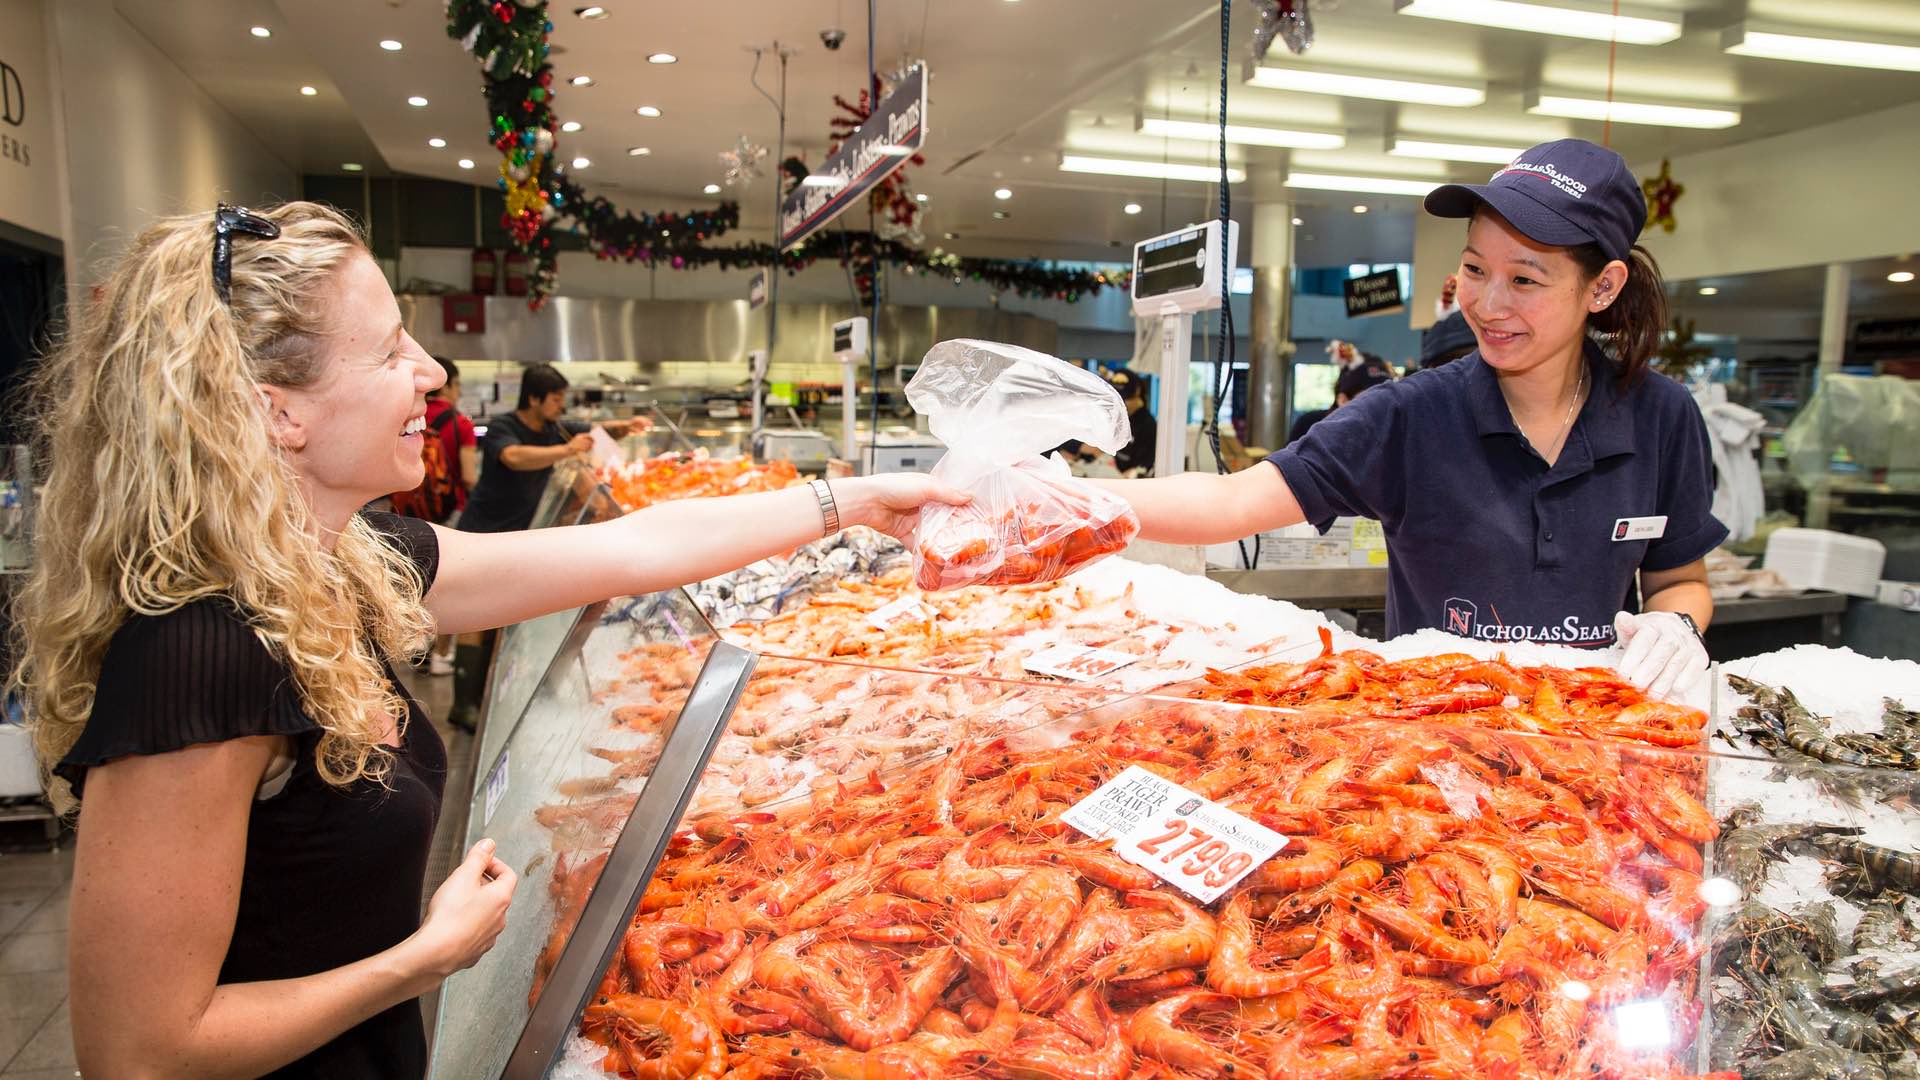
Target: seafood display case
(828, 868)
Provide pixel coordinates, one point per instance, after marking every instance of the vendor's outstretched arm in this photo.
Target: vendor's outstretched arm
(1207, 508)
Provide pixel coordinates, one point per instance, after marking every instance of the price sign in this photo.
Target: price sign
(903, 609)
(1192, 843)
(496, 788)
(1077, 663)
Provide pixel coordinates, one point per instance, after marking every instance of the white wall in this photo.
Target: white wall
(142, 138)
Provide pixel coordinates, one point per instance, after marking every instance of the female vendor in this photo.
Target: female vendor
(1524, 487)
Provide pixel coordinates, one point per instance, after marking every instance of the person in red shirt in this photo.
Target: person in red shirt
(463, 450)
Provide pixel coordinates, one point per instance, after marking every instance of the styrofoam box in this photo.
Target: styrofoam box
(1901, 594)
(1822, 559)
(19, 770)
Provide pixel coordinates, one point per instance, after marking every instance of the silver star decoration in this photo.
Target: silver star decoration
(742, 163)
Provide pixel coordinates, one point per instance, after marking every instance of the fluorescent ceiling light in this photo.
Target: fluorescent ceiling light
(711, 189)
(352, 166)
(1568, 19)
(1358, 84)
(1632, 112)
(1819, 47)
(1452, 151)
(1153, 170)
(1709, 290)
(1242, 134)
(391, 45)
(436, 143)
(822, 180)
(648, 111)
(1360, 208)
(1377, 185)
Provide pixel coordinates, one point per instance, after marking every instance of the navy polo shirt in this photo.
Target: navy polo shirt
(1483, 538)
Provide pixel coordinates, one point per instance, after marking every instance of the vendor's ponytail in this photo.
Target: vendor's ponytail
(1635, 322)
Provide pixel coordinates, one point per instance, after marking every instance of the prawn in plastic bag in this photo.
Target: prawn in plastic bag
(999, 408)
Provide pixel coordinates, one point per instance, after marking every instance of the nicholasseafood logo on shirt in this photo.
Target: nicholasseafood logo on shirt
(1548, 173)
(1462, 617)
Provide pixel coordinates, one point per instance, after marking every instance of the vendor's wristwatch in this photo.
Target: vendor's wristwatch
(1695, 627)
(829, 513)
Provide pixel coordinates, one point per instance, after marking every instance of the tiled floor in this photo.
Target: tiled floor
(36, 1041)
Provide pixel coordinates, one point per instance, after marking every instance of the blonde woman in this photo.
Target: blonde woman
(208, 647)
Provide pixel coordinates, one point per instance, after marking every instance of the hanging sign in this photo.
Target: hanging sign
(757, 290)
(895, 131)
(1190, 842)
(1374, 294)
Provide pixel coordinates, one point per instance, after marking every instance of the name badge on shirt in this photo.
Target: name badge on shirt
(1640, 528)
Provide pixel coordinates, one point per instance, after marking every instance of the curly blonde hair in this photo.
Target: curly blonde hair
(166, 488)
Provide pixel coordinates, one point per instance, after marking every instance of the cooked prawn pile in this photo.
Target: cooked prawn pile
(1453, 902)
(676, 475)
(1455, 688)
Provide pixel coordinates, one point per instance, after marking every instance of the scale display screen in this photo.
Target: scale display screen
(1170, 264)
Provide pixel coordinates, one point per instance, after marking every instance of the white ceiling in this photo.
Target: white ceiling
(1014, 84)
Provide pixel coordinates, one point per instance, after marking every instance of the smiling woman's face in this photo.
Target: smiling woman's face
(354, 434)
(1524, 300)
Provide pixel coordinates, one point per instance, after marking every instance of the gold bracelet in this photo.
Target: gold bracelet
(829, 512)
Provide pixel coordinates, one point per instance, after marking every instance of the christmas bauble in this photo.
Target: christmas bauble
(543, 141)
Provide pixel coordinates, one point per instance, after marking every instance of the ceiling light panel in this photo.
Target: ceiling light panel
(1154, 170)
(1342, 82)
(1453, 151)
(1377, 185)
(1565, 18)
(1776, 42)
(1241, 134)
(1543, 103)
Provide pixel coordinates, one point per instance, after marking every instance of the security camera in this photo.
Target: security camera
(832, 37)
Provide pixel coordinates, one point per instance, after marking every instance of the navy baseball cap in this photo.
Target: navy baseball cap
(1566, 193)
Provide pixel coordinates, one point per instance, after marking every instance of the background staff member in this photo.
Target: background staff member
(521, 449)
(1524, 486)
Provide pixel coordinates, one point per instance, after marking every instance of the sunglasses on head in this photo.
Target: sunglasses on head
(228, 220)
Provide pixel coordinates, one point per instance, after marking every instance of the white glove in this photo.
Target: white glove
(1659, 651)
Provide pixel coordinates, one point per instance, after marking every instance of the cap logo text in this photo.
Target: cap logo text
(1548, 173)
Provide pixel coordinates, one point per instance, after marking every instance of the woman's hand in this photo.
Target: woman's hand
(467, 913)
(891, 502)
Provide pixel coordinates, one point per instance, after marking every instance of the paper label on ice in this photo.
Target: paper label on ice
(496, 789)
(605, 450)
(1192, 843)
(902, 609)
(1077, 662)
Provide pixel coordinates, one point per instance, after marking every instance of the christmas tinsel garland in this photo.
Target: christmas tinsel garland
(509, 40)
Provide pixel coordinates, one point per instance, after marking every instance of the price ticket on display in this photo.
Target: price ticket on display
(903, 609)
(1077, 662)
(1192, 843)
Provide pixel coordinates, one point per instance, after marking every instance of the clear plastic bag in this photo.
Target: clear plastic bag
(999, 408)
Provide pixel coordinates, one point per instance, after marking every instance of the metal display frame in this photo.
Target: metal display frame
(635, 856)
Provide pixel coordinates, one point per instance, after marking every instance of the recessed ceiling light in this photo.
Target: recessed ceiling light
(581, 163)
(711, 189)
(261, 31)
(391, 45)
(1900, 277)
(437, 143)
(951, 235)
(1632, 112)
(308, 91)
(648, 111)
(1003, 194)
(581, 80)
(1297, 221)
(662, 58)
(1709, 290)
(1820, 47)
(1373, 185)
(1130, 208)
(571, 126)
(1360, 208)
(1347, 83)
(417, 101)
(1001, 215)
(352, 166)
(1156, 170)
(1452, 151)
(1242, 134)
(1567, 18)
(591, 11)
(638, 151)
(466, 163)
(919, 196)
